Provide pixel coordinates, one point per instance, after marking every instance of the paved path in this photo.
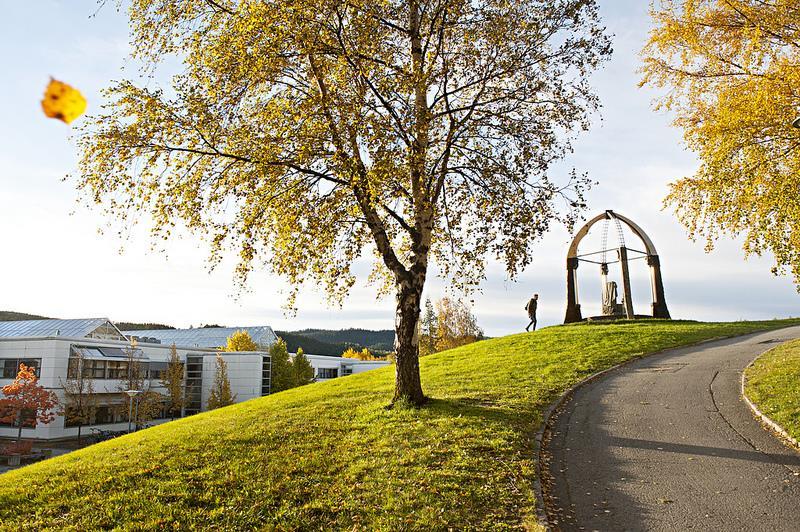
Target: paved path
(666, 443)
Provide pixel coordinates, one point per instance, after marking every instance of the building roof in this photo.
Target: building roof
(77, 328)
(213, 337)
(93, 352)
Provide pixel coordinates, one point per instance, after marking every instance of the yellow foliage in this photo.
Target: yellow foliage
(63, 102)
(455, 325)
(397, 130)
(364, 354)
(730, 72)
(241, 341)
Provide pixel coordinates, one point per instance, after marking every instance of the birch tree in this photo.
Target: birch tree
(305, 135)
(731, 70)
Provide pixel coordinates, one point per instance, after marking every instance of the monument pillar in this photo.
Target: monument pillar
(573, 306)
(626, 282)
(659, 301)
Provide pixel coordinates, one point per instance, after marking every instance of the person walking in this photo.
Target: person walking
(531, 308)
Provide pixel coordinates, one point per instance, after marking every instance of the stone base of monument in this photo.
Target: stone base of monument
(618, 318)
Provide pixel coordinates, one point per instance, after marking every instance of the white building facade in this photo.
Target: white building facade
(52, 347)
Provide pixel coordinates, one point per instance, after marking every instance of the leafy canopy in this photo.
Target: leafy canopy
(282, 373)
(731, 72)
(302, 133)
(303, 371)
(25, 397)
(241, 341)
(364, 354)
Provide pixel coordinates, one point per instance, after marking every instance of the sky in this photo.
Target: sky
(60, 259)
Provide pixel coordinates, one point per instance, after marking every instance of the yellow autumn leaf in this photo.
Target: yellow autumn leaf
(63, 102)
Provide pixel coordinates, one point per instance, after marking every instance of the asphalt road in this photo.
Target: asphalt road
(666, 443)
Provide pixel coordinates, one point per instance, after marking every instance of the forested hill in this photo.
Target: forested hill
(334, 343)
(131, 326)
(382, 340)
(10, 315)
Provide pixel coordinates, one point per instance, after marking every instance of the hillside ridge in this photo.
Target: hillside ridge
(332, 454)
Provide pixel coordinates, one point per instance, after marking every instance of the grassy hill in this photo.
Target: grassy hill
(773, 383)
(330, 456)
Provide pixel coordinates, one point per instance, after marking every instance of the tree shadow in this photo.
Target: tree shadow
(700, 450)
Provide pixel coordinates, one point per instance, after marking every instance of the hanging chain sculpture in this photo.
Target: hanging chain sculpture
(611, 308)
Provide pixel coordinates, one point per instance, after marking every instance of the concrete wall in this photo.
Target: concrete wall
(244, 374)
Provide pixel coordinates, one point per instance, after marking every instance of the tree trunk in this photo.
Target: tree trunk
(19, 424)
(407, 382)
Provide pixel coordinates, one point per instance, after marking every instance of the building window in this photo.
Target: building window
(116, 369)
(158, 370)
(327, 373)
(95, 369)
(10, 366)
(28, 418)
(347, 370)
(194, 384)
(107, 414)
(72, 367)
(266, 375)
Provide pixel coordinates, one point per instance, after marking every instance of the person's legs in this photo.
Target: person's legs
(533, 322)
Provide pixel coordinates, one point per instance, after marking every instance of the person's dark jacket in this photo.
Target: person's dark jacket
(531, 307)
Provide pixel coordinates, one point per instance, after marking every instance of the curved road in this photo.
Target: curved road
(666, 443)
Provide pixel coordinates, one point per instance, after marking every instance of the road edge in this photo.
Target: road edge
(549, 414)
(767, 422)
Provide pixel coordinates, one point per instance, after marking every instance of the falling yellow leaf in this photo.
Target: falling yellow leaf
(63, 102)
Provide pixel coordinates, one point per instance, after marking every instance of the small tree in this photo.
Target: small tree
(429, 330)
(456, 324)
(79, 396)
(303, 372)
(25, 396)
(221, 390)
(282, 377)
(147, 404)
(173, 382)
(241, 341)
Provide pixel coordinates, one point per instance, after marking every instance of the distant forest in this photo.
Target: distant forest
(8, 315)
(130, 326)
(334, 343)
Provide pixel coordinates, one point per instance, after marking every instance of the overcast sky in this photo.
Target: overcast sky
(55, 263)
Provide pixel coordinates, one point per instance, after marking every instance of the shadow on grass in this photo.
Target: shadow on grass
(483, 409)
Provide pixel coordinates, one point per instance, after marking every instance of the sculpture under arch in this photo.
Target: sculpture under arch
(610, 307)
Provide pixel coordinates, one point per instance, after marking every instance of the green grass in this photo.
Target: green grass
(330, 456)
(773, 384)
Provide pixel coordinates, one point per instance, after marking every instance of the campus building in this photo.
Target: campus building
(325, 367)
(52, 347)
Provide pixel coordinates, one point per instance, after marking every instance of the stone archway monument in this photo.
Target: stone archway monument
(622, 255)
